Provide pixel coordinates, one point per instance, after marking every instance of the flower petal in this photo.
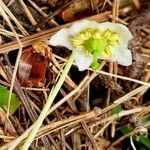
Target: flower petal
(81, 25)
(122, 55)
(83, 62)
(61, 38)
(122, 30)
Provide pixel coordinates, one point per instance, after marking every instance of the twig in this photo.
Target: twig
(52, 127)
(27, 12)
(10, 2)
(115, 116)
(24, 32)
(46, 34)
(94, 74)
(67, 97)
(8, 33)
(123, 99)
(42, 12)
(124, 78)
(72, 120)
(24, 135)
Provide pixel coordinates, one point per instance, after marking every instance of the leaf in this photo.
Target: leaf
(116, 110)
(33, 65)
(4, 95)
(145, 141)
(139, 145)
(145, 120)
(125, 129)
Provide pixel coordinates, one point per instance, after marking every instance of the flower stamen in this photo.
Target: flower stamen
(95, 43)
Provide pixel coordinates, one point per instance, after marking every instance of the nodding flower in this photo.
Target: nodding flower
(91, 41)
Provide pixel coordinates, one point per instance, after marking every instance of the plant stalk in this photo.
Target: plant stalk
(48, 104)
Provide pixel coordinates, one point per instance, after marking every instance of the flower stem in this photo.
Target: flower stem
(50, 100)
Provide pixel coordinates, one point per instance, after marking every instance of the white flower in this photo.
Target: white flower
(91, 41)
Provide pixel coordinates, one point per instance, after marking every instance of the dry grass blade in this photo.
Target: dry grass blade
(3, 74)
(115, 116)
(2, 8)
(52, 127)
(24, 32)
(8, 33)
(67, 97)
(42, 12)
(125, 78)
(28, 13)
(46, 34)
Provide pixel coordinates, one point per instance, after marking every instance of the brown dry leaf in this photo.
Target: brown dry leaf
(33, 65)
(9, 129)
(79, 10)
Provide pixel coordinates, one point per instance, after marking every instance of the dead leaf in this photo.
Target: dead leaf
(33, 64)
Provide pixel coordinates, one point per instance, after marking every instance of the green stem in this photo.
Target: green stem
(50, 100)
(95, 64)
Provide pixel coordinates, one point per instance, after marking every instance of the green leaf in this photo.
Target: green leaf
(139, 145)
(145, 120)
(4, 95)
(125, 129)
(145, 141)
(116, 110)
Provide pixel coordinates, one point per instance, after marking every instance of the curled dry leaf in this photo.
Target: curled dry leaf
(33, 65)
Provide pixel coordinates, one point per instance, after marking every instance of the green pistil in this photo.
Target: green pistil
(96, 48)
(94, 45)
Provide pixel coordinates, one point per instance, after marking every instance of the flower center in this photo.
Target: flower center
(95, 43)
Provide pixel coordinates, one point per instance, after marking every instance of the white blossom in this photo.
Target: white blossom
(91, 41)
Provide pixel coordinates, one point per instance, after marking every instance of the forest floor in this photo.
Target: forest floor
(93, 110)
